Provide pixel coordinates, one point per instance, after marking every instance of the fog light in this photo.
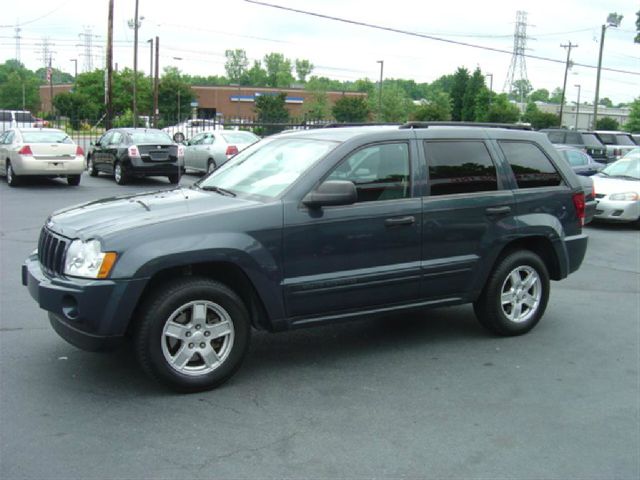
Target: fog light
(70, 307)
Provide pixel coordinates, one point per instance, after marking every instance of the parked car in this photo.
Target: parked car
(42, 152)
(191, 127)
(618, 191)
(136, 152)
(586, 141)
(580, 162)
(617, 143)
(209, 150)
(18, 119)
(636, 138)
(309, 228)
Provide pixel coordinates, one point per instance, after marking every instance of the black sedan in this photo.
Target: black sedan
(136, 152)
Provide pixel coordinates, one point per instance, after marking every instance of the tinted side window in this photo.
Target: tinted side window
(5, 116)
(460, 167)
(379, 172)
(574, 138)
(607, 138)
(556, 137)
(530, 165)
(24, 117)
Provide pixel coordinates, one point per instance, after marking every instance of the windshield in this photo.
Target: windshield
(635, 153)
(624, 140)
(45, 136)
(624, 168)
(150, 137)
(268, 167)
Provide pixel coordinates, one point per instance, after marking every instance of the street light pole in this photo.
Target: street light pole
(490, 87)
(613, 20)
(381, 62)
(578, 106)
(135, 66)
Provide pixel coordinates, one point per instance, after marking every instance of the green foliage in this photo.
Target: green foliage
(236, 64)
(469, 101)
(57, 76)
(271, 109)
(637, 37)
(607, 123)
(436, 108)
(605, 102)
(458, 89)
(256, 76)
(633, 122)
(351, 109)
(444, 84)
(78, 107)
(500, 111)
(556, 96)
(278, 70)
(539, 119)
(303, 69)
(540, 95)
(396, 104)
(520, 90)
(13, 78)
(317, 108)
(170, 85)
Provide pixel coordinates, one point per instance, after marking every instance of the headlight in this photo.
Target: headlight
(87, 260)
(627, 196)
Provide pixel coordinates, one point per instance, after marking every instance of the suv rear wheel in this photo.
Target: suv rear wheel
(192, 334)
(515, 295)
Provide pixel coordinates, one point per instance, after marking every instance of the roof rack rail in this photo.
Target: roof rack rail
(359, 124)
(509, 126)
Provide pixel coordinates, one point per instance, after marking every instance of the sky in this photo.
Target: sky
(194, 35)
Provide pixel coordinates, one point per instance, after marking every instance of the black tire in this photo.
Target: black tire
(211, 165)
(12, 179)
(174, 179)
(73, 180)
(91, 168)
(160, 354)
(120, 174)
(525, 299)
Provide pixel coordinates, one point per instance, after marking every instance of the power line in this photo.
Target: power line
(428, 37)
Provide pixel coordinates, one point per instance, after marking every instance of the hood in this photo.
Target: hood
(607, 186)
(103, 217)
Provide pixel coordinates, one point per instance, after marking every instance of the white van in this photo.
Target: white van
(16, 118)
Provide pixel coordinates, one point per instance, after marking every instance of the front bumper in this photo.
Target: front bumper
(617, 211)
(90, 314)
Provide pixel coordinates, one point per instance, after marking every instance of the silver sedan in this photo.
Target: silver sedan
(208, 150)
(617, 189)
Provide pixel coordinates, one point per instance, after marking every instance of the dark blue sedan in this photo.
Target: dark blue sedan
(580, 162)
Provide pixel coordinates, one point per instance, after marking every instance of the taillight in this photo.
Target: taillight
(133, 151)
(617, 152)
(26, 150)
(232, 150)
(578, 202)
(79, 150)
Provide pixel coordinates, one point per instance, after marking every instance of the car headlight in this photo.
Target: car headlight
(87, 260)
(627, 196)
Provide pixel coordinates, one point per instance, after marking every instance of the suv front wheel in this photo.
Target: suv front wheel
(515, 295)
(193, 334)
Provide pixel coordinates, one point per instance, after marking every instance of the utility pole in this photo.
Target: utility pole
(109, 82)
(613, 20)
(577, 106)
(135, 66)
(150, 42)
(50, 75)
(490, 87)
(566, 71)
(156, 83)
(381, 62)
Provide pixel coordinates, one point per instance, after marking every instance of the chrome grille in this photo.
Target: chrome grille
(52, 249)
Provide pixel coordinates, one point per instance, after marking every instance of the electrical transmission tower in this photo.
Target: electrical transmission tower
(17, 37)
(45, 52)
(87, 39)
(518, 67)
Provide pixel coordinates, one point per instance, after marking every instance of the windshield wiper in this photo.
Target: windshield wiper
(627, 176)
(220, 190)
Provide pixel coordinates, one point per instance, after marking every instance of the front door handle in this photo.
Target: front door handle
(498, 210)
(400, 221)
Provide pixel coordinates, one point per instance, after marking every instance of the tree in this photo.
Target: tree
(278, 70)
(174, 95)
(256, 76)
(236, 64)
(474, 86)
(396, 105)
(633, 122)
(520, 90)
(501, 111)
(318, 106)
(271, 110)
(605, 102)
(15, 80)
(539, 119)
(556, 96)
(540, 95)
(303, 69)
(437, 108)
(607, 123)
(57, 76)
(77, 107)
(458, 89)
(351, 109)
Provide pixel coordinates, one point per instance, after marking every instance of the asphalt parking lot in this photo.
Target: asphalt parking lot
(428, 395)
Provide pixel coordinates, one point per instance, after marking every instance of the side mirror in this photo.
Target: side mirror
(332, 193)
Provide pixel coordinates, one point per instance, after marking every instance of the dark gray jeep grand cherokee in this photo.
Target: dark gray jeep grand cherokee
(311, 227)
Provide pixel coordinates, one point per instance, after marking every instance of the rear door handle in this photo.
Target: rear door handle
(400, 221)
(498, 210)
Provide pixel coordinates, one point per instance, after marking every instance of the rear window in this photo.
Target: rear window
(24, 117)
(237, 137)
(556, 137)
(607, 138)
(590, 140)
(141, 138)
(460, 167)
(45, 136)
(573, 138)
(530, 165)
(624, 140)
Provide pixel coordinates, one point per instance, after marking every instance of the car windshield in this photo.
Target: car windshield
(269, 167)
(635, 153)
(629, 168)
(150, 137)
(239, 137)
(590, 140)
(624, 140)
(45, 136)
